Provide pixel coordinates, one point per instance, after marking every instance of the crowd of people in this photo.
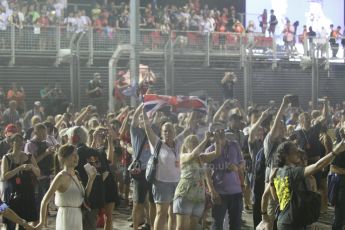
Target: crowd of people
(108, 20)
(172, 168)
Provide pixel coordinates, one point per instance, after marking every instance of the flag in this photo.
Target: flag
(153, 102)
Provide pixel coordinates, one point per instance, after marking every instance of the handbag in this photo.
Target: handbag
(151, 168)
(135, 167)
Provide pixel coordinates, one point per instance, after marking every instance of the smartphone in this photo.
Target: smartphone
(294, 100)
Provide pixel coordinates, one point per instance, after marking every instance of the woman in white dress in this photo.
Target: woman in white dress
(69, 191)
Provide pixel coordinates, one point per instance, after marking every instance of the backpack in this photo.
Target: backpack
(304, 207)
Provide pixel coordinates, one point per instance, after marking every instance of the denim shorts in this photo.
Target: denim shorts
(184, 206)
(163, 192)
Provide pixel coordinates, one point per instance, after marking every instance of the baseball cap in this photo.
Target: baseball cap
(10, 128)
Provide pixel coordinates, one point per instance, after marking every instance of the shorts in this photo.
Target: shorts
(184, 206)
(110, 190)
(163, 192)
(140, 189)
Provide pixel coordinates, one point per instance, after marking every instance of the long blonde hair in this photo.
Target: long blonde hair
(189, 143)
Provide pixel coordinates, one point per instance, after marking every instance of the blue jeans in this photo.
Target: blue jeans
(234, 205)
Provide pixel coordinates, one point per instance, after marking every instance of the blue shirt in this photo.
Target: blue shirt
(226, 182)
(137, 137)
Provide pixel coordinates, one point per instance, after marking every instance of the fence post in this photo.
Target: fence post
(13, 46)
(58, 38)
(91, 51)
(207, 57)
(274, 51)
(172, 43)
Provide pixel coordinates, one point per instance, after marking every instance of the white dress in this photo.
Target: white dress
(69, 214)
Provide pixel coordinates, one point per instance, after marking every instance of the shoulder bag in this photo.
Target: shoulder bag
(152, 163)
(135, 167)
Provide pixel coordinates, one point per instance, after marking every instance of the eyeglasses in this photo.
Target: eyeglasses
(94, 163)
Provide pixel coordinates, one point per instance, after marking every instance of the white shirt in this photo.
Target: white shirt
(3, 21)
(21, 16)
(71, 23)
(9, 12)
(58, 9)
(207, 26)
(4, 3)
(79, 25)
(86, 21)
(168, 169)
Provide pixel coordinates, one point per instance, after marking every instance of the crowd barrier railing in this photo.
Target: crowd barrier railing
(104, 40)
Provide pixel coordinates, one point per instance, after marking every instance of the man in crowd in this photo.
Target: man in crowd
(95, 92)
(10, 115)
(4, 144)
(36, 111)
(273, 23)
(142, 153)
(43, 153)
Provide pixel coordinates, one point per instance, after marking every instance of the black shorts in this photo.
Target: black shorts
(110, 190)
(140, 189)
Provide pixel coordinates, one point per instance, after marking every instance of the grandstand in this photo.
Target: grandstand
(184, 61)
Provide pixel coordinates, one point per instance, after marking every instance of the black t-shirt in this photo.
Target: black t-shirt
(4, 147)
(228, 90)
(46, 164)
(93, 85)
(287, 179)
(273, 20)
(96, 197)
(309, 140)
(339, 161)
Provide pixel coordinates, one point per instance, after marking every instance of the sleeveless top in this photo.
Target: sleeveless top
(73, 197)
(191, 184)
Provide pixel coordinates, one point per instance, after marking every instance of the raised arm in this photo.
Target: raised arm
(253, 130)
(90, 180)
(186, 157)
(276, 124)
(79, 120)
(220, 142)
(110, 150)
(135, 120)
(151, 136)
(123, 113)
(325, 111)
(324, 161)
(226, 106)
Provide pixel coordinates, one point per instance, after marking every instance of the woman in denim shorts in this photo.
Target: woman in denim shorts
(167, 172)
(189, 200)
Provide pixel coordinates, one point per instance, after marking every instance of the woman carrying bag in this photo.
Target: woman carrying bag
(167, 172)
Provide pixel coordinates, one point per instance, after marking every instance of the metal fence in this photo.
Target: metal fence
(103, 41)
